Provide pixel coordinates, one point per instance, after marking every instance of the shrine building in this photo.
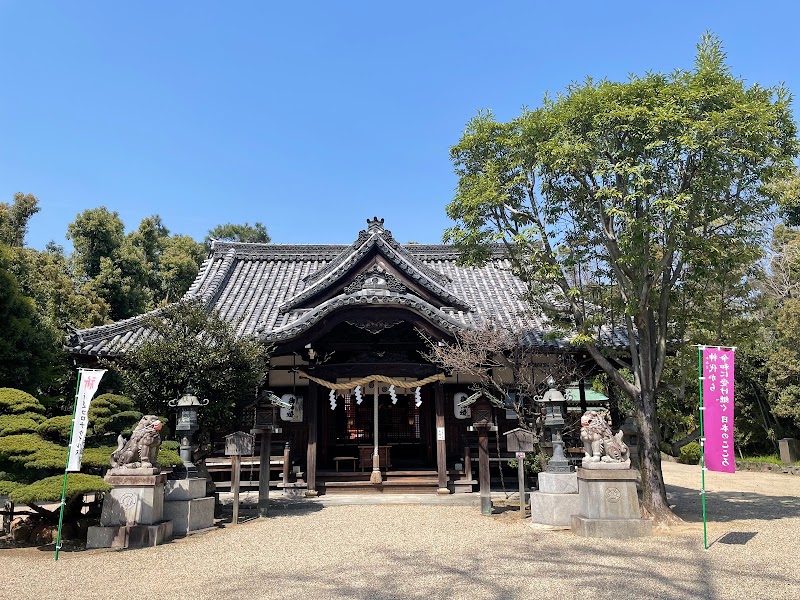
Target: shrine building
(337, 314)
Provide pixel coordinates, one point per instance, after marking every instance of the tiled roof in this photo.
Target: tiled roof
(258, 286)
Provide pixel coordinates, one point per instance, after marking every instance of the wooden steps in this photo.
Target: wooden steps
(394, 482)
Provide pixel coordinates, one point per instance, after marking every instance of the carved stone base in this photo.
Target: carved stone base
(609, 505)
(129, 536)
(133, 500)
(129, 472)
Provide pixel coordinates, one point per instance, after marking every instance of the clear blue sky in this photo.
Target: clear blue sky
(311, 117)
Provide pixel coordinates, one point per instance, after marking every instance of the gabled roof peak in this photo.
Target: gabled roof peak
(375, 225)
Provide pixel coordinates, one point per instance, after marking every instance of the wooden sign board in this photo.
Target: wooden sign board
(519, 440)
(239, 444)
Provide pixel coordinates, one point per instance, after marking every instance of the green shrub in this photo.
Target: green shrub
(56, 429)
(121, 422)
(531, 465)
(665, 448)
(690, 454)
(15, 402)
(6, 487)
(167, 457)
(49, 488)
(12, 424)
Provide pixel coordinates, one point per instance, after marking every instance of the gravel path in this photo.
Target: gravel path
(393, 551)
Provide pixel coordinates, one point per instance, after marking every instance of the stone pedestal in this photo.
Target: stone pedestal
(609, 505)
(556, 500)
(790, 450)
(133, 512)
(186, 505)
(463, 486)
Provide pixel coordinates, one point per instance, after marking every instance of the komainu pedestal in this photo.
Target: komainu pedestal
(609, 505)
(133, 512)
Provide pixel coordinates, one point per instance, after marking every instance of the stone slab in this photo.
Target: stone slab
(129, 536)
(190, 515)
(131, 479)
(127, 504)
(608, 498)
(608, 474)
(463, 486)
(605, 466)
(133, 472)
(555, 510)
(558, 483)
(184, 489)
(611, 528)
(790, 450)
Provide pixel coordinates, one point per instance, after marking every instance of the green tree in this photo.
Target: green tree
(238, 233)
(96, 233)
(617, 195)
(189, 345)
(14, 218)
(28, 349)
(179, 262)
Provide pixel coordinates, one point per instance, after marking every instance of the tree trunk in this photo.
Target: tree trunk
(654, 493)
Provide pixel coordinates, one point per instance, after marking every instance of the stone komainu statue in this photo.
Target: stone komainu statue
(141, 451)
(599, 444)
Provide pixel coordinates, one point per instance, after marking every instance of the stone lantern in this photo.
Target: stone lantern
(553, 400)
(186, 426)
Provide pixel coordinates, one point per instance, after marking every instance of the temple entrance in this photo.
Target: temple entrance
(402, 431)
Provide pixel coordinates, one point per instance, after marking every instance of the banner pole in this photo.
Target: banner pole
(702, 446)
(66, 465)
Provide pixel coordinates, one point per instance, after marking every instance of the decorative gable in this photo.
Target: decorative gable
(375, 261)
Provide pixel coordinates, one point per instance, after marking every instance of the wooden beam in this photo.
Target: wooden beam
(441, 443)
(263, 473)
(311, 452)
(331, 371)
(483, 470)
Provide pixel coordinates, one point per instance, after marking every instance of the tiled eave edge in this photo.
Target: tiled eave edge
(413, 303)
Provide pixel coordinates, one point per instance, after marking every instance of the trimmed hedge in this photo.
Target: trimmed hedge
(49, 488)
(690, 454)
(15, 402)
(56, 429)
(13, 424)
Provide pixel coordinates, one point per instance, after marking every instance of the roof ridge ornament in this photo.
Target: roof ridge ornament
(375, 225)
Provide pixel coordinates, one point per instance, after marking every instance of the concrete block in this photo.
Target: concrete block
(133, 500)
(558, 483)
(611, 528)
(555, 510)
(184, 489)
(190, 515)
(608, 494)
(129, 536)
(790, 450)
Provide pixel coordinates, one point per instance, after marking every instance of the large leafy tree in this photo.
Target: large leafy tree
(623, 196)
(14, 218)
(189, 345)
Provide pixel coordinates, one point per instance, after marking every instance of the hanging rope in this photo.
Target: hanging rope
(364, 380)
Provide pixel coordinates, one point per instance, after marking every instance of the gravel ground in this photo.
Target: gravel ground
(447, 551)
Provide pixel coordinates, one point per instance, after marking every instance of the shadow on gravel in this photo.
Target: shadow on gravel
(731, 506)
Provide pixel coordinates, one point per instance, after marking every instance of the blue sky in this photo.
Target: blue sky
(312, 117)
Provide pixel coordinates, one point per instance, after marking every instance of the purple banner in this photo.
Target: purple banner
(718, 413)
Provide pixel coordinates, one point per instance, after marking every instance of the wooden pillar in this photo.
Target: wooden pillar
(375, 477)
(467, 464)
(582, 393)
(441, 443)
(287, 460)
(236, 470)
(483, 470)
(263, 472)
(311, 452)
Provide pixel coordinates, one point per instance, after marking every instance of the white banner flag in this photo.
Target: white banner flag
(88, 383)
